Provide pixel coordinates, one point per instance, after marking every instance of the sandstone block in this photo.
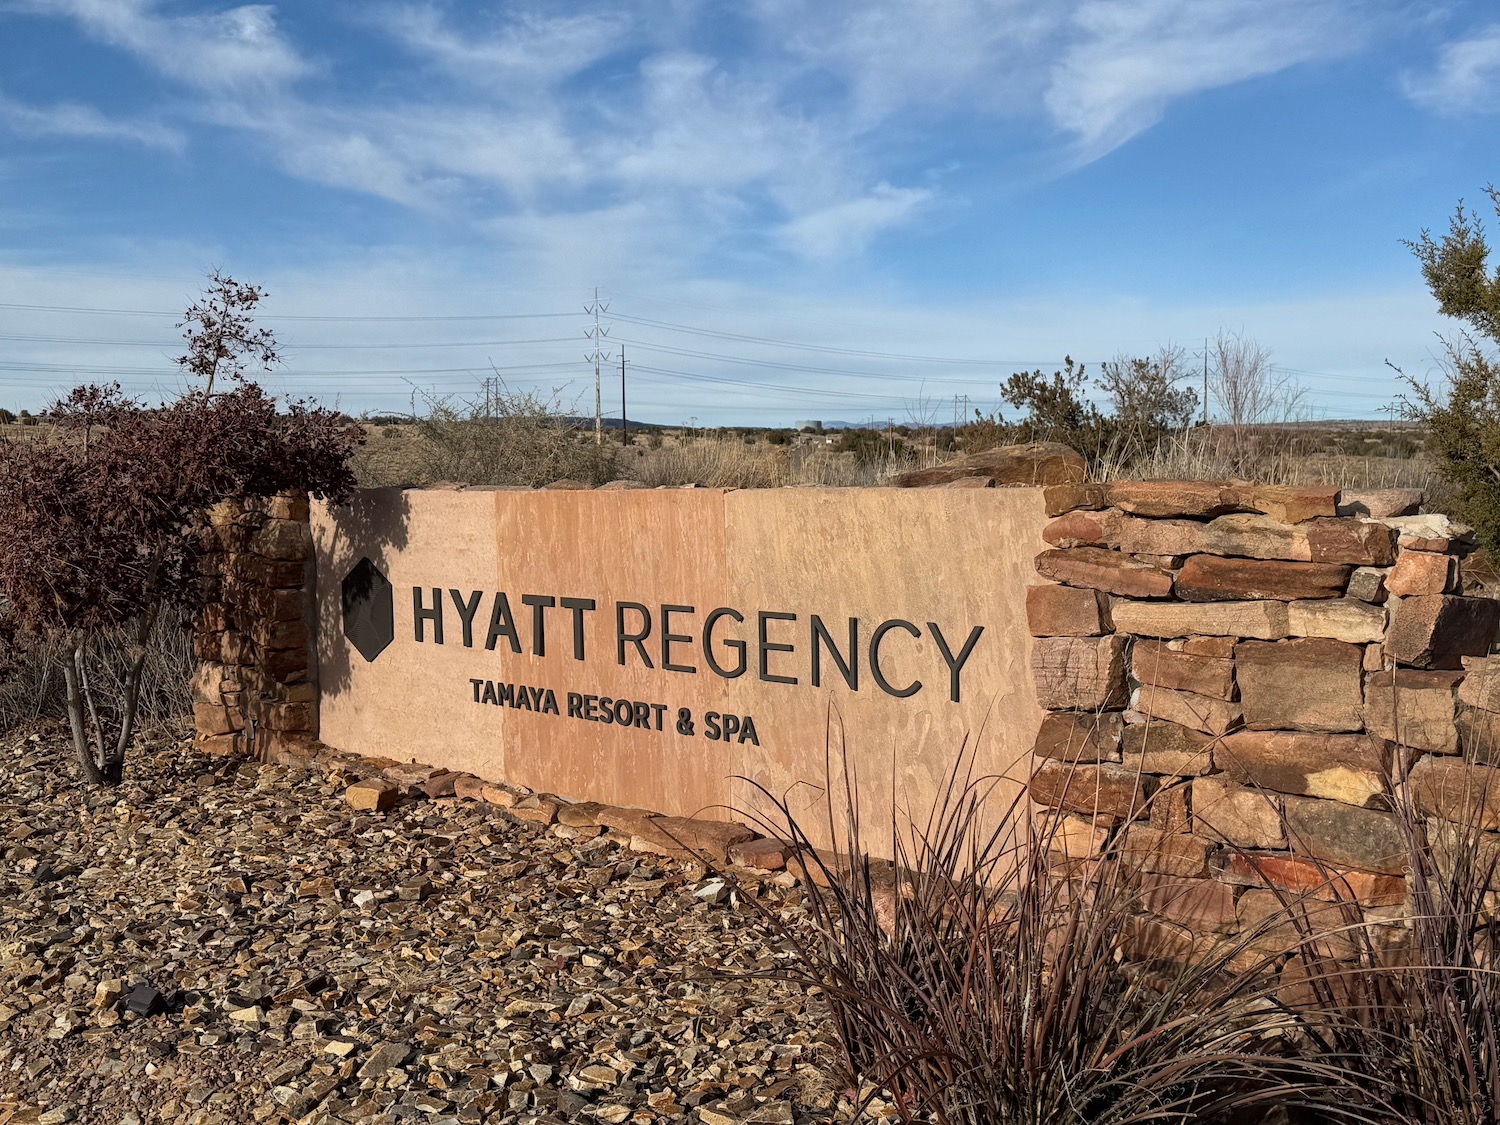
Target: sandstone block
(1459, 791)
(1161, 538)
(1167, 748)
(1307, 684)
(760, 853)
(1172, 498)
(1100, 569)
(288, 665)
(210, 683)
(1149, 939)
(1224, 811)
(1301, 875)
(1107, 790)
(280, 634)
(1339, 619)
(287, 507)
(289, 716)
(1437, 630)
(1275, 922)
(1060, 498)
(1413, 708)
(1077, 837)
(1171, 807)
(1367, 583)
(627, 821)
(692, 838)
(1380, 503)
(537, 809)
(467, 787)
(1080, 736)
(1210, 578)
(1167, 853)
(1351, 768)
(1265, 620)
(1290, 503)
(216, 718)
(440, 784)
(1080, 529)
(1079, 673)
(1040, 463)
(372, 795)
(274, 605)
(1256, 537)
(1066, 611)
(1200, 712)
(1360, 542)
(1215, 648)
(288, 540)
(237, 648)
(219, 745)
(1481, 683)
(1421, 572)
(1479, 735)
(1169, 664)
(499, 795)
(580, 814)
(1432, 532)
(1375, 660)
(1341, 834)
(1200, 904)
(276, 573)
(215, 617)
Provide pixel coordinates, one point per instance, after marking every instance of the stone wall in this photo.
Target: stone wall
(1237, 676)
(255, 689)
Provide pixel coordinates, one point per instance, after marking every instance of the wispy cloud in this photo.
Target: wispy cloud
(815, 121)
(848, 227)
(70, 119)
(1127, 61)
(1465, 78)
(236, 48)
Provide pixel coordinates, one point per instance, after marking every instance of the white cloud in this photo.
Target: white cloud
(68, 119)
(848, 227)
(1129, 59)
(1466, 75)
(793, 135)
(237, 47)
(531, 52)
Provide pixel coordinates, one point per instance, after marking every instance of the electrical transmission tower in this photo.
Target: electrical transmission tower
(597, 335)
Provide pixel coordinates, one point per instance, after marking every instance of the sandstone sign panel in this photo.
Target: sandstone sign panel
(676, 649)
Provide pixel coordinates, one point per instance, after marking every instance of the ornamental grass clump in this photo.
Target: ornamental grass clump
(1419, 1025)
(982, 980)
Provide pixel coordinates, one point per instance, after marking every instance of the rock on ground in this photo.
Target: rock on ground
(440, 963)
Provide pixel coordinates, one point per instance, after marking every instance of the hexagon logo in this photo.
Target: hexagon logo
(369, 610)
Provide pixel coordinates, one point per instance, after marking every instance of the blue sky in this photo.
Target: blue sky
(977, 185)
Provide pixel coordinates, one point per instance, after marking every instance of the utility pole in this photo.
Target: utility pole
(597, 334)
(1205, 380)
(624, 418)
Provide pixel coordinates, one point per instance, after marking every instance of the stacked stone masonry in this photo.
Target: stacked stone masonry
(254, 690)
(1238, 676)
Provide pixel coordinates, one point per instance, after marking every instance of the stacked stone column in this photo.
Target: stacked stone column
(254, 691)
(1237, 676)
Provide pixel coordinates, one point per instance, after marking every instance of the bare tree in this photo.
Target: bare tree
(1245, 386)
(1251, 393)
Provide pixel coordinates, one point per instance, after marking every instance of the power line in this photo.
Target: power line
(813, 347)
(288, 316)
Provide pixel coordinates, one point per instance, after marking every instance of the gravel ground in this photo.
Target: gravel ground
(439, 963)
